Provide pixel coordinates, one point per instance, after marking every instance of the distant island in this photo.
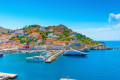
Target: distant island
(49, 38)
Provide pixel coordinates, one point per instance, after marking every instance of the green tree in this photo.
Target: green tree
(66, 33)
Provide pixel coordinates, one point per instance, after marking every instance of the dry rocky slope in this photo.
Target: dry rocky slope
(3, 30)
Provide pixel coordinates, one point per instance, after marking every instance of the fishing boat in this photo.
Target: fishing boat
(36, 59)
(74, 53)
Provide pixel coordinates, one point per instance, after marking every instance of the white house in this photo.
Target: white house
(57, 47)
(42, 28)
(50, 30)
(38, 41)
(20, 32)
(50, 35)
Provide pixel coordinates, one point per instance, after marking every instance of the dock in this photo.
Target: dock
(5, 76)
(53, 57)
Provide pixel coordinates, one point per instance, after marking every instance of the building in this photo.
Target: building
(40, 37)
(49, 41)
(57, 33)
(50, 30)
(33, 35)
(55, 38)
(42, 28)
(57, 46)
(20, 32)
(49, 47)
(32, 45)
(50, 35)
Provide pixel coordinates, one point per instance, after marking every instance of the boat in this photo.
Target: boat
(36, 59)
(85, 50)
(66, 78)
(1, 54)
(74, 53)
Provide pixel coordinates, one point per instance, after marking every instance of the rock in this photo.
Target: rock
(101, 47)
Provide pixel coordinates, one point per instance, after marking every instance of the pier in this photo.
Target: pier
(53, 57)
(5, 76)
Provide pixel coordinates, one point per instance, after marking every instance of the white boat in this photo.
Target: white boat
(36, 59)
(72, 52)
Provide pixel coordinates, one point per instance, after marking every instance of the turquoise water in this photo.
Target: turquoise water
(98, 65)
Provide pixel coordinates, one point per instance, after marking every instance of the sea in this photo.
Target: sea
(97, 65)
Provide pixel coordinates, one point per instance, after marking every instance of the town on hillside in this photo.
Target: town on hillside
(35, 37)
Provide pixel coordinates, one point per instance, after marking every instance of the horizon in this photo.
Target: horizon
(90, 19)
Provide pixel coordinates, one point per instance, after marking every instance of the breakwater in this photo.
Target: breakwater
(5, 76)
(53, 57)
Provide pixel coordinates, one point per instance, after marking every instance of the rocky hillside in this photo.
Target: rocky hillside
(3, 30)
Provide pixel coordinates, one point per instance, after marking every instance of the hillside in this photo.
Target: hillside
(63, 33)
(3, 30)
(50, 36)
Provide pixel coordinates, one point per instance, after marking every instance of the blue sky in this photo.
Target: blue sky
(96, 19)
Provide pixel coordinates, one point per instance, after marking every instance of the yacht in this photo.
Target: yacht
(85, 50)
(74, 53)
(36, 58)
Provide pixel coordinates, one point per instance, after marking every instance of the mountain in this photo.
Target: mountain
(3, 30)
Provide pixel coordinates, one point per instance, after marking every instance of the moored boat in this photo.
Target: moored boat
(72, 52)
(1, 54)
(85, 50)
(36, 59)
(75, 53)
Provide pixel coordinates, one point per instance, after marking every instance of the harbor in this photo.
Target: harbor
(15, 63)
(48, 56)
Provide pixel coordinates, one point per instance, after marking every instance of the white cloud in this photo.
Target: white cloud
(110, 31)
(101, 29)
(115, 20)
(117, 26)
(114, 17)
